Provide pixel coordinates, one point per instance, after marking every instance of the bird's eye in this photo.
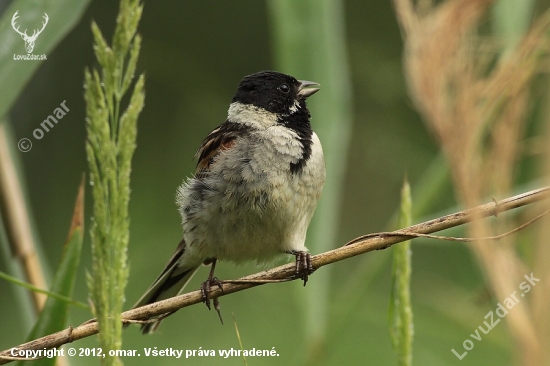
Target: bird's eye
(284, 88)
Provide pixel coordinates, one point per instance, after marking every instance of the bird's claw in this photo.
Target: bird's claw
(205, 292)
(304, 267)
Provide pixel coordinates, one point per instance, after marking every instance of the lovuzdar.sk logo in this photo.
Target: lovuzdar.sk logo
(29, 40)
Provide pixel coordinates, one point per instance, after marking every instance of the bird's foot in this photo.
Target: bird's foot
(304, 266)
(205, 291)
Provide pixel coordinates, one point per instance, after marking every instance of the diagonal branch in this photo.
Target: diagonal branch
(358, 246)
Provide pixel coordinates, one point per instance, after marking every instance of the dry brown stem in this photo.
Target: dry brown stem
(478, 112)
(17, 221)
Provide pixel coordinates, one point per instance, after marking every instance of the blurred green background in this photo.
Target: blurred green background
(194, 53)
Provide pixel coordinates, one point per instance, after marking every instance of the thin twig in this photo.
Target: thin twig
(363, 245)
(450, 238)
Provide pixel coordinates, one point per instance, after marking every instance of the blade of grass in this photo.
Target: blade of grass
(400, 310)
(239, 338)
(55, 295)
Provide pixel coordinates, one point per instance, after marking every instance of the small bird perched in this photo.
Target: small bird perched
(258, 179)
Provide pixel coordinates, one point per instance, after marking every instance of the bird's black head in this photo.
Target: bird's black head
(275, 92)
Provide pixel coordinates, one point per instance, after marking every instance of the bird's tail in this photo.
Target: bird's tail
(168, 284)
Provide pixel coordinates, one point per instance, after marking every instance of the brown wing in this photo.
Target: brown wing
(222, 138)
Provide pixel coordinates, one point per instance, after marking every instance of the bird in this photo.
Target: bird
(258, 179)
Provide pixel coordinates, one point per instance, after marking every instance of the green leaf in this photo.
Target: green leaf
(54, 315)
(14, 74)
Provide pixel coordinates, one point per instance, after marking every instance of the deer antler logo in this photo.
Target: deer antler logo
(29, 40)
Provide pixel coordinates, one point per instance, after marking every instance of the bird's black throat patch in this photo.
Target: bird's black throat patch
(299, 123)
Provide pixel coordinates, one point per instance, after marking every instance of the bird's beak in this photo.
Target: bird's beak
(308, 88)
